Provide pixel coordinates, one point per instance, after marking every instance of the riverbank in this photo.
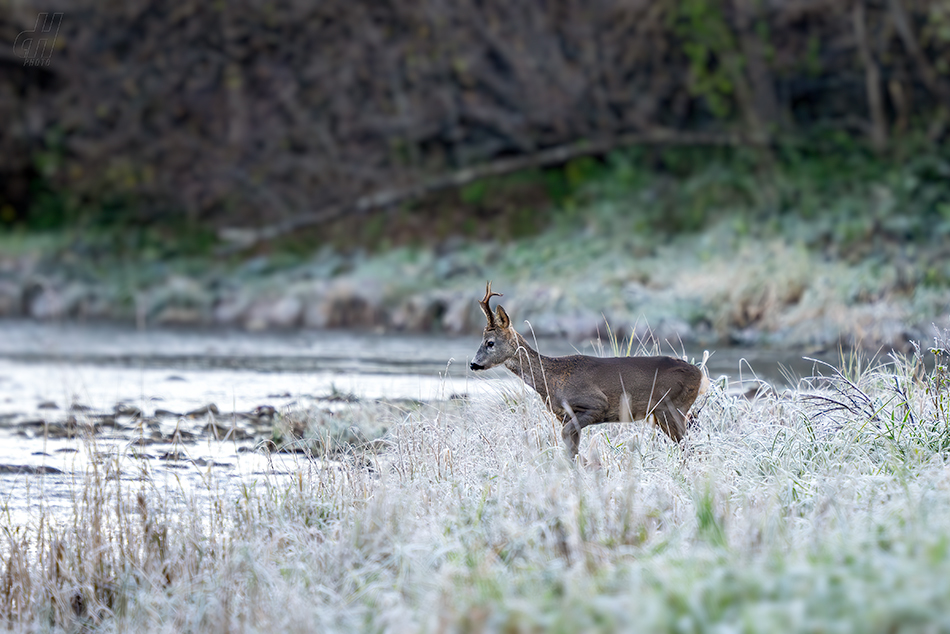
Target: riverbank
(718, 286)
(797, 249)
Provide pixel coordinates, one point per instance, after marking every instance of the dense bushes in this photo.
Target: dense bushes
(281, 114)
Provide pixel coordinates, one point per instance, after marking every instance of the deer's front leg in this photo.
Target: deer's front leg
(576, 417)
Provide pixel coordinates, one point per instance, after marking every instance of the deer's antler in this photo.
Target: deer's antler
(485, 307)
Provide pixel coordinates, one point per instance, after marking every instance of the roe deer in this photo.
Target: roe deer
(582, 390)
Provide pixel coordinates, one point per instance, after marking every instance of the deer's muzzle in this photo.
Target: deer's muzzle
(475, 366)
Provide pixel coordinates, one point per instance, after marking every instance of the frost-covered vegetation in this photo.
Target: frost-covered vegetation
(820, 508)
(814, 249)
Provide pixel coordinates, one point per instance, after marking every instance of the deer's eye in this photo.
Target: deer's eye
(489, 344)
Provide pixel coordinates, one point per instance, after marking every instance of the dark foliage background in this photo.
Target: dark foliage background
(277, 115)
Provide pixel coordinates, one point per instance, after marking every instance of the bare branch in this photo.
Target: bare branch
(242, 238)
(872, 78)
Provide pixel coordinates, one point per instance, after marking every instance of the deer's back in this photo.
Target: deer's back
(638, 377)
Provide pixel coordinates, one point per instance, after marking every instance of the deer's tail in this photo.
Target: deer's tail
(704, 384)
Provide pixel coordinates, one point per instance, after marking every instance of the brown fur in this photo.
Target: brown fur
(582, 390)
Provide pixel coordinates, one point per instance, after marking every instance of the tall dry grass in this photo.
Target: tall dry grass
(821, 508)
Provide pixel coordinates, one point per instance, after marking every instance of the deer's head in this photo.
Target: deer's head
(499, 340)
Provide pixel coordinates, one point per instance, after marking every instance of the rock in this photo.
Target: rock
(345, 306)
(67, 302)
(314, 297)
(264, 413)
(203, 410)
(95, 303)
(354, 312)
(180, 301)
(420, 313)
(222, 432)
(105, 420)
(746, 337)
(143, 441)
(124, 409)
(27, 469)
(179, 316)
(60, 430)
(11, 299)
(462, 315)
(208, 462)
(47, 304)
(315, 313)
(231, 309)
(255, 318)
(32, 424)
(286, 312)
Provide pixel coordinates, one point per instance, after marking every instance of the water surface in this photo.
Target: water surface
(77, 397)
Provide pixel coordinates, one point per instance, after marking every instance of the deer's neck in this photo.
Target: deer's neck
(529, 365)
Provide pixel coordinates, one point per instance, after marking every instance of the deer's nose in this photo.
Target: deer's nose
(475, 366)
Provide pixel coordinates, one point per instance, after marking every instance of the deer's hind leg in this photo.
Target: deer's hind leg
(671, 421)
(571, 435)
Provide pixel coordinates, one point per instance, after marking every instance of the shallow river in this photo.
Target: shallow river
(167, 406)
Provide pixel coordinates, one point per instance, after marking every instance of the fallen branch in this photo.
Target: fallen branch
(243, 238)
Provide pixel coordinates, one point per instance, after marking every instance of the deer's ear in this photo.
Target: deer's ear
(503, 320)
